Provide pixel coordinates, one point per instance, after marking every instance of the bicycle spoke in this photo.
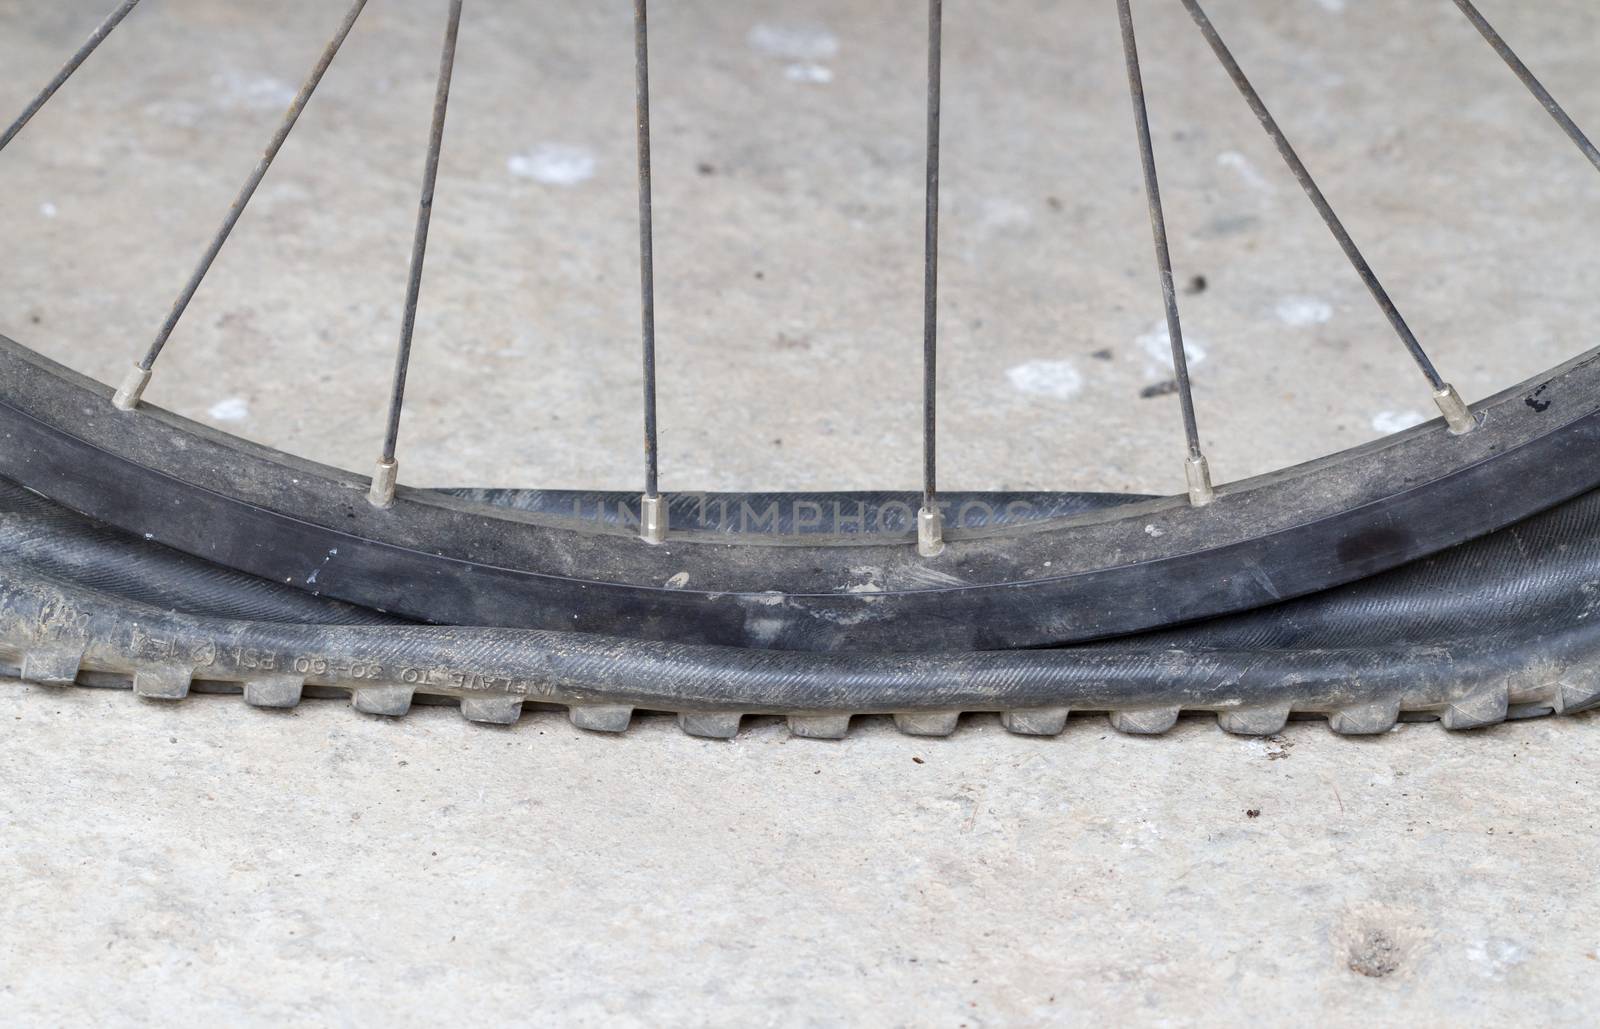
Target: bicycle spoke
(133, 386)
(652, 509)
(89, 46)
(381, 493)
(1196, 471)
(1450, 404)
(930, 523)
(1535, 87)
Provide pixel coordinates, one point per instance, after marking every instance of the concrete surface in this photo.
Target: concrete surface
(237, 866)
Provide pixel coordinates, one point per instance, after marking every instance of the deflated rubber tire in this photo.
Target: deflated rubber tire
(1499, 627)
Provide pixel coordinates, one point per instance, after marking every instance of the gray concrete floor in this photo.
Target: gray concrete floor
(324, 867)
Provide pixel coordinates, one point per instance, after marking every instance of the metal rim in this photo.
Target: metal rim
(1105, 573)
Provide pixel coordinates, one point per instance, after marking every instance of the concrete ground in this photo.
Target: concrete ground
(325, 867)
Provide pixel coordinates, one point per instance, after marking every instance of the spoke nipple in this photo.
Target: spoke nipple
(383, 476)
(1455, 410)
(653, 519)
(930, 533)
(127, 396)
(1199, 475)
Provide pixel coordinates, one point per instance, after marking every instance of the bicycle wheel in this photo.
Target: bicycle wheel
(818, 605)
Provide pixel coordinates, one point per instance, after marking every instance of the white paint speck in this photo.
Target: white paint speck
(763, 630)
(230, 409)
(871, 580)
(47, 209)
(1301, 312)
(1059, 379)
(1156, 345)
(1153, 532)
(1496, 955)
(678, 581)
(312, 578)
(186, 113)
(1002, 214)
(1240, 165)
(554, 164)
(242, 90)
(818, 74)
(1396, 421)
(795, 41)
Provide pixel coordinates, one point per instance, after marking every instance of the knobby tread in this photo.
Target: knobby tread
(56, 635)
(508, 709)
